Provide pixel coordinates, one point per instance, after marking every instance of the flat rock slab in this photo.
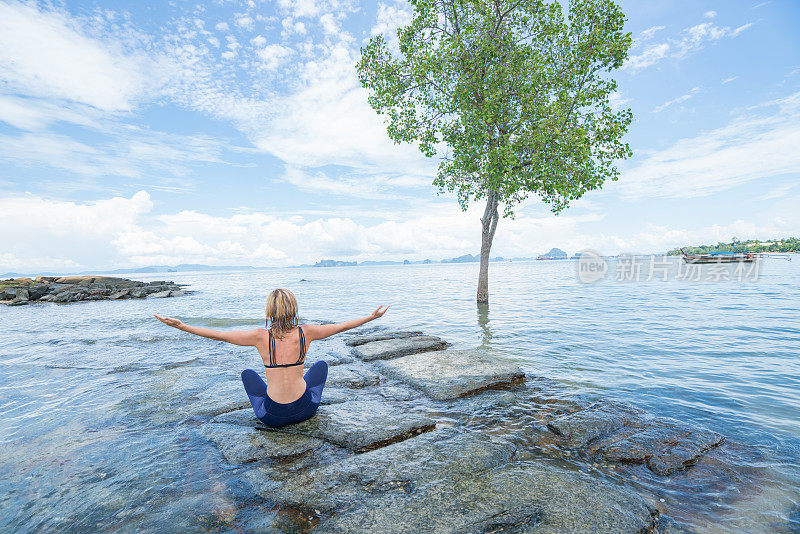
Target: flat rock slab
(451, 374)
(360, 340)
(664, 446)
(243, 444)
(441, 454)
(220, 397)
(449, 481)
(393, 348)
(618, 432)
(352, 376)
(243, 417)
(600, 419)
(361, 424)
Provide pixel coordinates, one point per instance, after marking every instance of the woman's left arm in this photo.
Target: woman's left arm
(238, 337)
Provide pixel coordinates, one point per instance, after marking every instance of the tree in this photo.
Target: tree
(515, 94)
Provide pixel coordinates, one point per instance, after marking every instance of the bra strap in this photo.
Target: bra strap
(272, 361)
(302, 345)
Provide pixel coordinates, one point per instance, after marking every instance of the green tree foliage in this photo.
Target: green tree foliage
(513, 94)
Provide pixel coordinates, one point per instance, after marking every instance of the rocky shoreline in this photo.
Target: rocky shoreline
(66, 289)
(413, 436)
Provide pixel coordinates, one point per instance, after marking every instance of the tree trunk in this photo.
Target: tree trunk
(488, 226)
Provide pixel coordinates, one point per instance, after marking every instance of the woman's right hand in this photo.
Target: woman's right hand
(378, 313)
(169, 321)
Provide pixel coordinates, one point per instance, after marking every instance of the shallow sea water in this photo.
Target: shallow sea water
(90, 438)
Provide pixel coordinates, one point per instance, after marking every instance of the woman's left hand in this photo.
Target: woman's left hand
(169, 321)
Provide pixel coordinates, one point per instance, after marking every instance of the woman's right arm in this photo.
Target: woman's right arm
(321, 331)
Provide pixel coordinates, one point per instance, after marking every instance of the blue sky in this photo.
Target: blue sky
(235, 132)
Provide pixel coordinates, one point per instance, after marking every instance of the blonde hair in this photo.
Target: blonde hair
(281, 312)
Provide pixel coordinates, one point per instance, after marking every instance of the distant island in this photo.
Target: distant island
(183, 267)
(554, 254)
(790, 244)
(466, 258)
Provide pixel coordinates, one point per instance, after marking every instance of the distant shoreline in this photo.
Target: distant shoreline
(467, 258)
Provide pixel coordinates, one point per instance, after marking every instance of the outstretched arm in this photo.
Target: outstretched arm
(321, 331)
(237, 337)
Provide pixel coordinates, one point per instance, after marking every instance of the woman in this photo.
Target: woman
(288, 396)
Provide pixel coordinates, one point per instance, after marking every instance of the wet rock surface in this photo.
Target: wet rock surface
(617, 432)
(393, 348)
(362, 424)
(468, 482)
(426, 442)
(354, 341)
(66, 289)
(240, 443)
(451, 374)
(598, 420)
(355, 375)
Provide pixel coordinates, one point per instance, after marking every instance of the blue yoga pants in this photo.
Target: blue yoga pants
(277, 414)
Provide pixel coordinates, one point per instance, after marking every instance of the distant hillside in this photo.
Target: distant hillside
(554, 254)
(183, 267)
(790, 244)
(469, 258)
(335, 263)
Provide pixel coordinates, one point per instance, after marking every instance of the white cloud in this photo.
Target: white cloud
(122, 232)
(329, 24)
(301, 8)
(274, 55)
(389, 18)
(243, 21)
(778, 192)
(290, 26)
(222, 27)
(678, 100)
(38, 114)
(617, 99)
(357, 185)
(759, 145)
(710, 14)
(327, 120)
(50, 234)
(318, 116)
(42, 234)
(129, 152)
(45, 53)
(649, 33)
(689, 41)
(730, 79)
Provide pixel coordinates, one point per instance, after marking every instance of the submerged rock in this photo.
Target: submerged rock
(451, 374)
(393, 348)
(448, 481)
(617, 432)
(598, 420)
(403, 466)
(362, 424)
(430, 441)
(664, 446)
(240, 443)
(222, 396)
(352, 376)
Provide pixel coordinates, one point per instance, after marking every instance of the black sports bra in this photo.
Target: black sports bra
(273, 362)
